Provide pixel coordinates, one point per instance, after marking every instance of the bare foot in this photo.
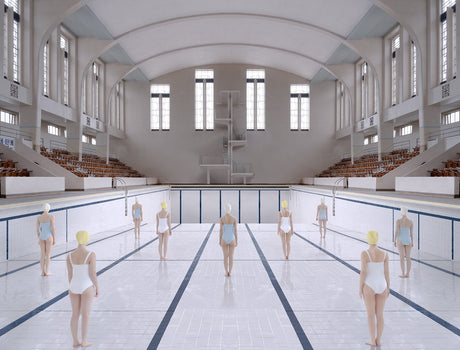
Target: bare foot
(378, 342)
(287, 257)
(229, 274)
(48, 274)
(371, 343)
(226, 274)
(85, 344)
(42, 274)
(402, 276)
(76, 343)
(407, 276)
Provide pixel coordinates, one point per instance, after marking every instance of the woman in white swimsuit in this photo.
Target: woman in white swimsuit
(374, 286)
(228, 238)
(163, 230)
(81, 269)
(285, 228)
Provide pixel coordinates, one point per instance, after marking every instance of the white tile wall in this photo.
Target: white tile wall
(250, 206)
(230, 196)
(210, 206)
(435, 233)
(269, 206)
(93, 218)
(191, 206)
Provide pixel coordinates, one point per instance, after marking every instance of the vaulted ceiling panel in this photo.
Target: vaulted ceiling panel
(84, 23)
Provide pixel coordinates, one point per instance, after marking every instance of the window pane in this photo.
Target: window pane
(155, 113)
(209, 106)
(199, 112)
(250, 106)
(260, 106)
(294, 113)
(305, 113)
(165, 113)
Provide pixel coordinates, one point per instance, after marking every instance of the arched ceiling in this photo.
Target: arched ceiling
(298, 36)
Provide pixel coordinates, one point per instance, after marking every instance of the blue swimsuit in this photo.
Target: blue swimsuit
(322, 214)
(45, 230)
(404, 235)
(228, 235)
(137, 213)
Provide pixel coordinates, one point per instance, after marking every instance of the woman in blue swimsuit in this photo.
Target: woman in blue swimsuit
(321, 217)
(46, 238)
(137, 219)
(404, 240)
(228, 238)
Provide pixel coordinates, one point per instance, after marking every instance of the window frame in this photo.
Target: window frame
(446, 57)
(204, 117)
(13, 117)
(46, 69)
(253, 85)
(65, 67)
(450, 117)
(394, 67)
(12, 41)
(302, 115)
(164, 115)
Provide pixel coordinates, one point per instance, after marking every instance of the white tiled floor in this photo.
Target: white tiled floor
(241, 312)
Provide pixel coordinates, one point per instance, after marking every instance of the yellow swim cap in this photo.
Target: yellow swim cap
(164, 205)
(284, 204)
(82, 237)
(372, 237)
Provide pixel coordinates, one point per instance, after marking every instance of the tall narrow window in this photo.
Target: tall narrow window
(300, 107)
(364, 91)
(376, 95)
(12, 40)
(46, 69)
(204, 99)
(159, 107)
(413, 69)
(395, 44)
(64, 45)
(96, 86)
(448, 43)
(255, 99)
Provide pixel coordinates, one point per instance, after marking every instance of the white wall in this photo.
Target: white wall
(277, 154)
(360, 213)
(249, 205)
(95, 215)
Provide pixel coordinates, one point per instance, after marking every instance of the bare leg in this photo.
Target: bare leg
(324, 228)
(401, 258)
(48, 246)
(369, 301)
(225, 250)
(160, 244)
(283, 242)
(86, 301)
(288, 244)
(165, 243)
(75, 301)
(320, 228)
(231, 251)
(407, 249)
(42, 256)
(380, 300)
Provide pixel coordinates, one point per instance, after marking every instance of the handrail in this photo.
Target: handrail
(344, 179)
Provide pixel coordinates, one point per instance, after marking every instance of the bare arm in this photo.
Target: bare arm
(236, 233)
(411, 233)
(386, 270)
(290, 220)
(38, 228)
(132, 211)
(52, 228)
(142, 214)
(327, 217)
(396, 231)
(317, 213)
(169, 223)
(279, 222)
(92, 272)
(221, 230)
(362, 275)
(69, 268)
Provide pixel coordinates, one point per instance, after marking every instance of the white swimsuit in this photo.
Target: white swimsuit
(285, 224)
(375, 275)
(162, 225)
(80, 276)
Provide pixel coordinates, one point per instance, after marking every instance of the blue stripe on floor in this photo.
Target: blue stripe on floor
(172, 307)
(46, 305)
(287, 307)
(57, 255)
(391, 251)
(409, 302)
